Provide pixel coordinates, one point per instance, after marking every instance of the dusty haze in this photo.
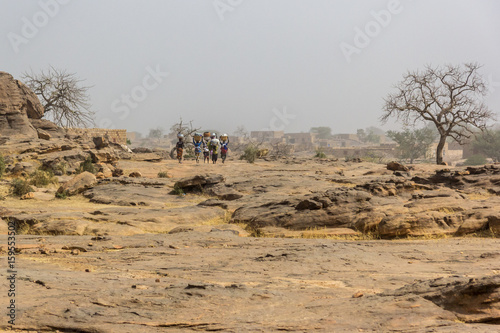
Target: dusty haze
(282, 64)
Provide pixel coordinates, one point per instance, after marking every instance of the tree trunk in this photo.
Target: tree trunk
(439, 149)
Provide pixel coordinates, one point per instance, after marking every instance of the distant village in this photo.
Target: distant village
(343, 145)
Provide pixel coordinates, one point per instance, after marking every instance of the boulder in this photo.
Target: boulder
(198, 181)
(100, 142)
(105, 169)
(309, 205)
(148, 157)
(17, 104)
(396, 166)
(105, 155)
(28, 196)
(78, 184)
(494, 224)
(117, 172)
(135, 174)
(43, 135)
(48, 127)
(141, 150)
(472, 300)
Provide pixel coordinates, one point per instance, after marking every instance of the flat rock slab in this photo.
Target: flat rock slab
(113, 220)
(129, 195)
(216, 281)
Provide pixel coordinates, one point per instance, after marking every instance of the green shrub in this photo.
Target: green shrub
(20, 187)
(86, 165)
(320, 153)
(163, 174)
(62, 195)
(41, 178)
(475, 160)
(250, 154)
(177, 190)
(129, 142)
(62, 167)
(2, 166)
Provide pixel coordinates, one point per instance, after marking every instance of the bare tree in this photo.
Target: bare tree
(281, 149)
(450, 97)
(65, 100)
(186, 129)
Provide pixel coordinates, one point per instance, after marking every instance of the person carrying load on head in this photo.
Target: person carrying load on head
(180, 146)
(213, 136)
(206, 154)
(214, 148)
(197, 142)
(224, 141)
(206, 137)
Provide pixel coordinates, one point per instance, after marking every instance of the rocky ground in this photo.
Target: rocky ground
(296, 244)
(347, 247)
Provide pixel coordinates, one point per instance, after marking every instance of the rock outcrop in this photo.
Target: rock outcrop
(17, 104)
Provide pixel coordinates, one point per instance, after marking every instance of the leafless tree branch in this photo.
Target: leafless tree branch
(451, 97)
(65, 100)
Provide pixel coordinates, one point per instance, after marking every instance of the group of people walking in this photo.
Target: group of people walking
(206, 143)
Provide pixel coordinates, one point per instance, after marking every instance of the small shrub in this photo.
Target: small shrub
(61, 167)
(163, 174)
(320, 153)
(177, 190)
(129, 142)
(20, 187)
(2, 166)
(87, 165)
(475, 160)
(250, 154)
(62, 195)
(41, 178)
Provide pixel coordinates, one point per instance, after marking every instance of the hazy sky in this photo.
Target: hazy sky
(265, 64)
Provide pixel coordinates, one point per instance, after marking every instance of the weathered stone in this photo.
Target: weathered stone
(213, 202)
(471, 300)
(78, 184)
(28, 196)
(100, 142)
(43, 135)
(223, 192)
(127, 195)
(309, 205)
(494, 224)
(199, 181)
(419, 224)
(396, 166)
(141, 150)
(135, 174)
(105, 169)
(48, 127)
(148, 157)
(117, 172)
(105, 155)
(17, 104)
